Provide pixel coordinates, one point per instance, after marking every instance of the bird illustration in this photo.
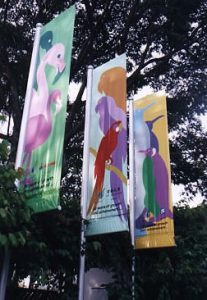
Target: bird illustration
(38, 131)
(141, 130)
(153, 138)
(54, 58)
(46, 40)
(113, 84)
(108, 114)
(150, 186)
(142, 143)
(157, 184)
(39, 125)
(106, 147)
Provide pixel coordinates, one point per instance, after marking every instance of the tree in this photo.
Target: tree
(15, 215)
(165, 46)
(168, 273)
(51, 255)
(178, 273)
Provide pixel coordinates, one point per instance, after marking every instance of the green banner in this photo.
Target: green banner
(43, 143)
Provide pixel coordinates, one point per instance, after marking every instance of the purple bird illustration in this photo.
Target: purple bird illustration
(161, 184)
(153, 138)
(39, 124)
(108, 114)
(142, 143)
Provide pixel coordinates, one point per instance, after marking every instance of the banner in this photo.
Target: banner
(44, 135)
(107, 182)
(153, 214)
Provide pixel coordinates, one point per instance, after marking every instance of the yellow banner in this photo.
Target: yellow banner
(153, 211)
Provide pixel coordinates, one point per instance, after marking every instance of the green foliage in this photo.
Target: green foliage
(192, 174)
(113, 253)
(4, 151)
(51, 255)
(168, 273)
(14, 214)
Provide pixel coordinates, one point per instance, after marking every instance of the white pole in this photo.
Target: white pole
(131, 168)
(84, 195)
(28, 96)
(4, 272)
(20, 150)
(131, 187)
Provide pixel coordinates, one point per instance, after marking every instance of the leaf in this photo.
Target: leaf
(3, 240)
(3, 213)
(97, 246)
(13, 240)
(21, 238)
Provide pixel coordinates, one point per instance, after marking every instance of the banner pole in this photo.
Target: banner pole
(4, 272)
(28, 96)
(131, 185)
(20, 149)
(85, 181)
(131, 168)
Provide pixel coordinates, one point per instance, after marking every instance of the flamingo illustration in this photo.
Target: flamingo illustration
(39, 124)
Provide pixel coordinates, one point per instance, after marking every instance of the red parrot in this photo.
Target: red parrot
(107, 146)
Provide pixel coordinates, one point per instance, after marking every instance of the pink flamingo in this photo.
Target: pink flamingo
(39, 124)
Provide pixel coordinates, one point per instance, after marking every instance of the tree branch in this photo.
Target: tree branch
(6, 137)
(123, 36)
(89, 14)
(75, 106)
(6, 10)
(78, 63)
(86, 46)
(161, 60)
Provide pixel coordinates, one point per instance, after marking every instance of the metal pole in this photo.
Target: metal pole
(133, 274)
(20, 150)
(28, 96)
(131, 187)
(4, 273)
(131, 168)
(85, 181)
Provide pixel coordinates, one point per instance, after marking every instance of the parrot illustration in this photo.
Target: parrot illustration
(107, 146)
(108, 114)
